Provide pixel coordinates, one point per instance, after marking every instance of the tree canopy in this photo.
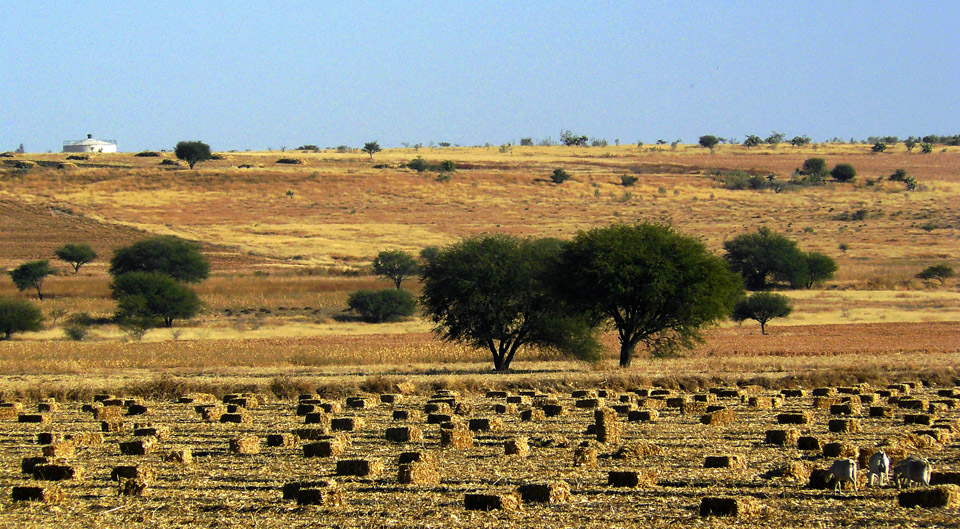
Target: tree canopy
(76, 255)
(656, 286)
(371, 148)
(377, 306)
(31, 275)
(843, 172)
(18, 315)
(762, 307)
(820, 267)
(192, 152)
(496, 292)
(177, 258)
(395, 265)
(709, 141)
(765, 257)
(940, 272)
(153, 298)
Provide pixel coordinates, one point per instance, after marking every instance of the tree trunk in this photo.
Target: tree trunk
(763, 328)
(626, 354)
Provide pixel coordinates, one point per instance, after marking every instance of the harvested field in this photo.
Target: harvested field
(658, 474)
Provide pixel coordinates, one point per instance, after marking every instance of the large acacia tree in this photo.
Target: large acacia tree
(764, 257)
(168, 255)
(656, 286)
(496, 292)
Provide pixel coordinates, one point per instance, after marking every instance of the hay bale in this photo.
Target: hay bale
(456, 438)
(918, 418)
(841, 450)
(496, 394)
(844, 425)
(764, 402)
(792, 471)
(945, 478)
(585, 456)
(312, 434)
(245, 444)
(636, 450)
(405, 415)
(782, 437)
(404, 434)
(282, 440)
(360, 403)
(61, 450)
(607, 425)
(532, 415)
(793, 393)
(652, 404)
(139, 447)
(583, 394)
(303, 409)
(235, 418)
(847, 408)
(883, 412)
(491, 502)
(643, 416)
(631, 478)
(553, 410)
(43, 494)
(431, 408)
(328, 497)
(914, 404)
(809, 443)
(869, 398)
(48, 407)
(589, 403)
(727, 506)
(27, 464)
(941, 496)
(86, 439)
(676, 402)
(138, 472)
(212, 413)
(825, 392)
(137, 409)
(180, 456)
(440, 418)
(725, 461)
(463, 409)
(35, 418)
(47, 438)
(485, 424)
(718, 418)
(824, 403)
(56, 472)
(291, 489)
(793, 418)
(693, 408)
(390, 398)
(327, 448)
(195, 398)
(364, 468)
(318, 418)
(729, 393)
(347, 424)
(418, 468)
(162, 433)
(550, 492)
(504, 409)
(519, 446)
(131, 487)
(518, 400)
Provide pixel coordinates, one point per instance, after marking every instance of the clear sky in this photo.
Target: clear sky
(253, 75)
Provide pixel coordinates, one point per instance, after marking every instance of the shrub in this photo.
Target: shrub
(17, 315)
(800, 141)
(878, 147)
(900, 175)
(752, 141)
(939, 272)
(526, 142)
(843, 172)
(559, 176)
(308, 147)
(926, 148)
(627, 180)
(377, 306)
(192, 152)
(169, 162)
(76, 332)
(78, 157)
(709, 141)
(147, 154)
(448, 166)
(418, 164)
(814, 166)
(290, 161)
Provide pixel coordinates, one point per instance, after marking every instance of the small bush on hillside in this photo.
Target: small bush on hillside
(78, 157)
(939, 272)
(843, 172)
(290, 161)
(17, 315)
(147, 154)
(378, 306)
(559, 176)
(418, 164)
(627, 180)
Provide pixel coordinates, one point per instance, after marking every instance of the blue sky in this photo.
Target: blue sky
(253, 75)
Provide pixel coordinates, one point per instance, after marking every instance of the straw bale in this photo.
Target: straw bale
(881, 411)
(824, 403)
(31, 493)
(869, 398)
(505, 408)
(914, 404)
(368, 468)
(360, 402)
(291, 489)
(729, 393)
(693, 408)
(793, 393)
(519, 400)
(825, 392)
(56, 472)
(532, 415)
(198, 398)
(112, 402)
(38, 418)
(941, 496)
(519, 446)
(137, 409)
(808, 442)
(677, 402)
(707, 398)
(583, 394)
(318, 418)
(728, 506)
(643, 416)
(718, 418)
(47, 407)
(589, 403)
(941, 436)
(918, 418)
(418, 468)
(282, 440)
(86, 439)
(27, 464)
(138, 472)
(841, 450)
(491, 502)
(212, 413)
(162, 433)
(585, 456)
(782, 437)
(131, 487)
(346, 424)
(328, 497)
(46, 438)
(496, 394)
(303, 409)
(456, 438)
(404, 434)
(631, 478)
(636, 450)
(791, 471)
(463, 409)
(550, 492)
(431, 408)
(390, 398)
(245, 444)
(485, 424)
(138, 447)
(312, 434)
(844, 425)
(553, 410)
(182, 456)
(61, 450)
(640, 392)
(8, 413)
(725, 461)
(764, 402)
(236, 418)
(945, 478)
(847, 408)
(439, 418)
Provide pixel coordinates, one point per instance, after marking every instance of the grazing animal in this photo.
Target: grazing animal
(912, 469)
(879, 467)
(844, 470)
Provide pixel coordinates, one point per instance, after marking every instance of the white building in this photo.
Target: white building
(90, 144)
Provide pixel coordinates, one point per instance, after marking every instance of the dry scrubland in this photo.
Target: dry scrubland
(288, 243)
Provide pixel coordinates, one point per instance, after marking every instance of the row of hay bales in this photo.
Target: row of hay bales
(445, 409)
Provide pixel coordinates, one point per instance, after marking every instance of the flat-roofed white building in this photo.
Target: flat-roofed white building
(90, 144)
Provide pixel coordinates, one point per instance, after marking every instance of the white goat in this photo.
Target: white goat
(912, 469)
(879, 467)
(844, 470)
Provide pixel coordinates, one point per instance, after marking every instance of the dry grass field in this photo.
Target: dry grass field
(289, 243)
